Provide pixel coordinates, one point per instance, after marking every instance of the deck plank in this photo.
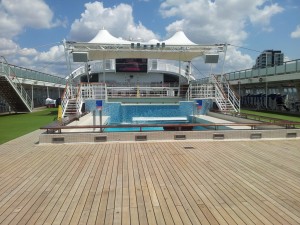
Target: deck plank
(180, 182)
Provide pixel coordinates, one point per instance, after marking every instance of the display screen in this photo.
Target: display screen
(131, 65)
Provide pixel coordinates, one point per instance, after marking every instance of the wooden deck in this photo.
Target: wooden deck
(178, 182)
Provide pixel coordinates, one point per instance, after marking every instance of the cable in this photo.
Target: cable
(245, 48)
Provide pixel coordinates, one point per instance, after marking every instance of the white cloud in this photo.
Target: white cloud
(296, 32)
(28, 52)
(263, 16)
(15, 15)
(118, 20)
(220, 21)
(7, 47)
(55, 54)
(235, 60)
(223, 20)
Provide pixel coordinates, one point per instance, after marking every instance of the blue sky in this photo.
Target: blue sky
(32, 30)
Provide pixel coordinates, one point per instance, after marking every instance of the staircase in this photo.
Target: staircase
(225, 97)
(12, 90)
(71, 102)
(71, 109)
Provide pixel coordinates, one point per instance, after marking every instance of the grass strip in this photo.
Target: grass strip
(273, 115)
(16, 125)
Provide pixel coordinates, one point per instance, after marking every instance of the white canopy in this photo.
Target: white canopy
(106, 46)
(104, 37)
(178, 38)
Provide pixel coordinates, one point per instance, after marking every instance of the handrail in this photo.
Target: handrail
(216, 126)
(79, 100)
(22, 72)
(65, 99)
(234, 100)
(14, 81)
(228, 96)
(292, 66)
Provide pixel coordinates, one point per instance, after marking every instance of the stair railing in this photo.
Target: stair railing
(79, 101)
(224, 95)
(219, 97)
(11, 76)
(234, 100)
(65, 99)
(233, 97)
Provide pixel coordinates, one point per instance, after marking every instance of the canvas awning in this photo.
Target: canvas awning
(106, 46)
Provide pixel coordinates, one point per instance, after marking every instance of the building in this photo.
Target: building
(269, 58)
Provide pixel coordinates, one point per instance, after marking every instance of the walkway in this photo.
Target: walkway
(177, 182)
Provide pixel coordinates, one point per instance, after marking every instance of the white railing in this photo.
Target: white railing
(93, 91)
(79, 101)
(11, 76)
(287, 68)
(102, 91)
(142, 92)
(235, 102)
(202, 91)
(65, 99)
(220, 99)
(225, 97)
(29, 74)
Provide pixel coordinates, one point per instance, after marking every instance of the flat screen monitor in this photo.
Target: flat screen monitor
(131, 65)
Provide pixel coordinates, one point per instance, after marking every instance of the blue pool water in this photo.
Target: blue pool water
(151, 120)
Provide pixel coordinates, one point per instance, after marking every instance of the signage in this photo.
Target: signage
(199, 104)
(99, 104)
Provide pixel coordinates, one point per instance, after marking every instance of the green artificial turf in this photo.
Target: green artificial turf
(16, 125)
(273, 115)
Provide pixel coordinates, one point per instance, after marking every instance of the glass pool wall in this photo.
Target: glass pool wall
(122, 113)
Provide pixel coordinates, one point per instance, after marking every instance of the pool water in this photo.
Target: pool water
(151, 120)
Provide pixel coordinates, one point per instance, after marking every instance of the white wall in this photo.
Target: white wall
(131, 77)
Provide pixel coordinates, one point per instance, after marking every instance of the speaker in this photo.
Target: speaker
(211, 58)
(80, 56)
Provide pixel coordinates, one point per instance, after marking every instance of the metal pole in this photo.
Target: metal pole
(225, 52)
(266, 81)
(67, 58)
(87, 72)
(32, 103)
(94, 118)
(266, 93)
(104, 66)
(100, 115)
(189, 78)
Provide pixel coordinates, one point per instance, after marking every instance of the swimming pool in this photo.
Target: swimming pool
(156, 121)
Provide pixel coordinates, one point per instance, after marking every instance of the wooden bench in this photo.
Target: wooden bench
(58, 124)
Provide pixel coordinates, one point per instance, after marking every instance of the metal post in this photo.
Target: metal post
(189, 78)
(225, 52)
(87, 72)
(32, 103)
(94, 119)
(67, 57)
(266, 94)
(104, 66)
(100, 115)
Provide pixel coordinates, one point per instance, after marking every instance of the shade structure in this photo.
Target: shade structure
(106, 46)
(179, 38)
(104, 37)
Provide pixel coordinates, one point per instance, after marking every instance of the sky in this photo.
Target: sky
(32, 31)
